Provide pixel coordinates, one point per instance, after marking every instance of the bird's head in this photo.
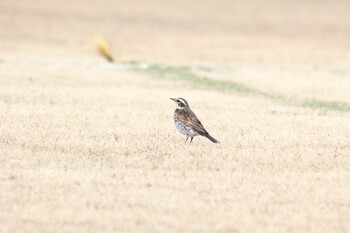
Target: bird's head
(180, 102)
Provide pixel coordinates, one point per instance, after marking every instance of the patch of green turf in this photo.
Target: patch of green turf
(186, 74)
(333, 105)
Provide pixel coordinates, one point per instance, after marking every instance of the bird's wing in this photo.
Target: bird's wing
(190, 119)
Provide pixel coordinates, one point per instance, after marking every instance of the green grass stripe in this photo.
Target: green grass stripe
(186, 74)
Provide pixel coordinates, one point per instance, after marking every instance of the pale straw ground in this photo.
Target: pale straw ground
(88, 146)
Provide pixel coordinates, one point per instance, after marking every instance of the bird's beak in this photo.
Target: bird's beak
(173, 99)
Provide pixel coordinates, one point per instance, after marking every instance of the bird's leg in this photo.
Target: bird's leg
(186, 139)
(191, 139)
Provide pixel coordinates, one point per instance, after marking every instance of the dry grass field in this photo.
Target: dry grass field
(90, 146)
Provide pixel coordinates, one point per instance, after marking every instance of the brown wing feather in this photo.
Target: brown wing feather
(189, 118)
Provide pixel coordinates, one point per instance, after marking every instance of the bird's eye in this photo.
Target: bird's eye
(178, 101)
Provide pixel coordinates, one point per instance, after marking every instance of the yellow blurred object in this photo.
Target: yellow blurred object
(103, 48)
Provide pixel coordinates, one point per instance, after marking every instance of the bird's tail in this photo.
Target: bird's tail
(212, 139)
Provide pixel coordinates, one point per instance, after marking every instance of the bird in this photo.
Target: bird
(187, 123)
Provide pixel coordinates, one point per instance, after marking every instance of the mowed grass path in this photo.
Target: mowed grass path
(187, 74)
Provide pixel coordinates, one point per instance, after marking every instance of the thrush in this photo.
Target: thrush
(187, 122)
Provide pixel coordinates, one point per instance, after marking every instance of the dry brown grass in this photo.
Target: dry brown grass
(91, 147)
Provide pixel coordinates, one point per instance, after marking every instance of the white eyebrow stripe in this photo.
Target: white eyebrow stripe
(183, 101)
